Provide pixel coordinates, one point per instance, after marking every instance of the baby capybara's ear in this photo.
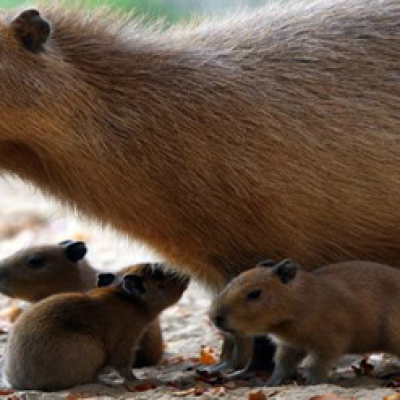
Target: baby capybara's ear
(74, 250)
(285, 270)
(105, 279)
(132, 285)
(31, 30)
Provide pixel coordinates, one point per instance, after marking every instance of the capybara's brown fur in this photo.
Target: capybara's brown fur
(271, 132)
(37, 272)
(349, 307)
(151, 348)
(67, 339)
(268, 133)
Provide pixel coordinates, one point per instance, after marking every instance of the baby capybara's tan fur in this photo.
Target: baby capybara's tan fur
(37, 272)
(349, 307)
(67, 339)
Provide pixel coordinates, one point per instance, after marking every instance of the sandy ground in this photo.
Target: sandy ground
(26, 219)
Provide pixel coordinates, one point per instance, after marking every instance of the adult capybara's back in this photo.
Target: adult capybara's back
(269, 133)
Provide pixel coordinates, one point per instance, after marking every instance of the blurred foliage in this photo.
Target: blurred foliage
(172, 10)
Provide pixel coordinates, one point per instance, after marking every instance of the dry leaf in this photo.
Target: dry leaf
(328, 396)
(259, 395)
(10, 314)
(207, 356)
(5, 320)
(140, 386)
(144, 387)
(77, 396)
(395, 396)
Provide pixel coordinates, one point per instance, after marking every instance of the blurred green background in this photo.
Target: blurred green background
(172, 10)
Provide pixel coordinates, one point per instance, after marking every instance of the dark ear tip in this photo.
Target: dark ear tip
(31, 29)
(286, 270)
(105, 279)
(30, 13)
(45, 29)
(65, 242)
(75, 251)
(133, 284)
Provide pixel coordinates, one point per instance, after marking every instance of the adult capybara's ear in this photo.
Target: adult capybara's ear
(31, 30)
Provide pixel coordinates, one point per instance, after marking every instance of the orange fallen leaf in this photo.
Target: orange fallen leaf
(140, 386)
(206, 356)
(395, 396)
(259, 395)
(10, 314)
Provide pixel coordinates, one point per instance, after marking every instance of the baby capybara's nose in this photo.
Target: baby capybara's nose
(218, 320)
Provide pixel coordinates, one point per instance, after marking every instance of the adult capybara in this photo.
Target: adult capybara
(267, 133)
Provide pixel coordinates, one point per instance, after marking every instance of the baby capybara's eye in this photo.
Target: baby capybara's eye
(35, 261)
(253, 295)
